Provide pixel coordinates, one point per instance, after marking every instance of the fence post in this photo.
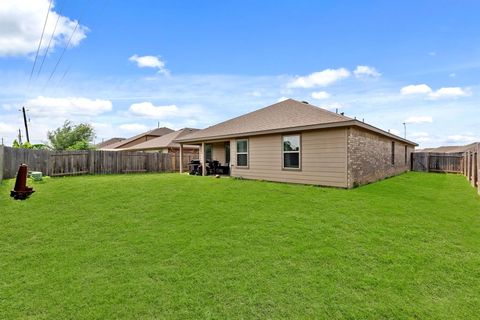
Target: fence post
(1, 162)
(91, 162)
(478, 167)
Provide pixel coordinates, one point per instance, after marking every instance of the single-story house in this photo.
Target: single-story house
(293, 141)
(166, 144)
(108, 142)
(142, 137)
(448, 149)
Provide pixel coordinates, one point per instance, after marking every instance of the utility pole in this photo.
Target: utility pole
(19, 137)
(26, 124)
(405, 130)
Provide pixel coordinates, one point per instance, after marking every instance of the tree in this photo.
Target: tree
(28, 145)
(72, 137)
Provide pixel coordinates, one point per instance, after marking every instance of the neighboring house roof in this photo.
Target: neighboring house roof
(155, 132)
(448, 149)
(288, 115)
(108, 142)
(165, 141)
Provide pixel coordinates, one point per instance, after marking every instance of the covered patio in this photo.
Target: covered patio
(214, 156)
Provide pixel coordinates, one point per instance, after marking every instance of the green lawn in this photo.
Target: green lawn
(172, 246)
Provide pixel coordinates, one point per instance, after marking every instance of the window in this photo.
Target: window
(208, 152)
(227, 152)
(242, 153)
(393, 153)
(406, 155)
(291, 152)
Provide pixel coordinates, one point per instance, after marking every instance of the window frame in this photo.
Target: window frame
(245, 152)
(299, 152)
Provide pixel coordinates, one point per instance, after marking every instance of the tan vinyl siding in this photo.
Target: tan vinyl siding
(323, 159)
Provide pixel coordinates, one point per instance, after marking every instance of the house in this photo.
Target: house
(448, 149)
(293, 141)
(108, 142)
(146, 136)
(166, 144)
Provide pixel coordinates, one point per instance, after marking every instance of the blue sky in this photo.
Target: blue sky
(134, 64)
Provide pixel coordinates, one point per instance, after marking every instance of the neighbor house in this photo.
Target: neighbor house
(140, 138)
(293, 141)
(166, 144)
(106, 143)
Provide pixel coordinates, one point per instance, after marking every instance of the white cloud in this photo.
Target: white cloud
(416, 89)
(442, 93)
(419, 119)
(420, 134)
(21, 24)
(366, 71)
(462, 138)
(449, 92)
(133, 127)
(320, 79)
(320, 95)
(420, 137)
(282, 99)
(7, 130)
(256, 93)
(155, 62)
(66, 107)
(147, 109)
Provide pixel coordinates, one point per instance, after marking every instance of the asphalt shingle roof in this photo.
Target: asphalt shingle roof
(286, 114)
(165, 141)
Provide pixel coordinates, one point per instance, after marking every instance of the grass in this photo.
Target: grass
(172, 246)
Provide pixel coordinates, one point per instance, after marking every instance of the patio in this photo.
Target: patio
(214, 156)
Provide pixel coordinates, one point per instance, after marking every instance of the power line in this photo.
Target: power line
(63, 53)
(40, 42)
(65, 49)
(49, 42)
(67, 71)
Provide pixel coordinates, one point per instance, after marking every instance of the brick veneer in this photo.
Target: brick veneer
(369, 157)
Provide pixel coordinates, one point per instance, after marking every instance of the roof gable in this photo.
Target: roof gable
(286, 114)
(158, 132)
(164, 141)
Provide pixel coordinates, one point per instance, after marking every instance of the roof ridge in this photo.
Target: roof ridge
(323, 109)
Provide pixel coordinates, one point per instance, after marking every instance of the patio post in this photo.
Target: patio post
(204, 169)
(181, 157)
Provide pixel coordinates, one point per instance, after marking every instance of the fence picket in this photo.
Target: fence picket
(58, 163)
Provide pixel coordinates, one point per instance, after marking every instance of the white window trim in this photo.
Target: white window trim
(299, 152)
(244, 152)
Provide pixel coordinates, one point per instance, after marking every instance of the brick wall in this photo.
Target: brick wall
(370, 157)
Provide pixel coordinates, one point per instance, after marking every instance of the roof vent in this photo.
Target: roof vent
(342, 113)
(306, 102)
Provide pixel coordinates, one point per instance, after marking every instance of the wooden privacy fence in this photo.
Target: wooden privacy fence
(466, 163)
(437, 162)
(471, 165)
(64, 163)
